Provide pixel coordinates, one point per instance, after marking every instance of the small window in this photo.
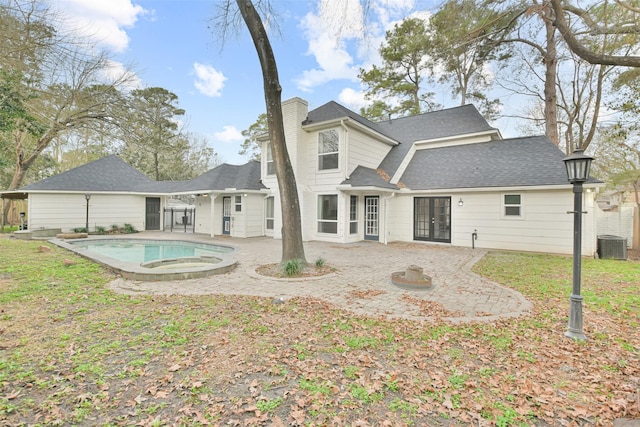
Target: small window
(512, 205)
(328, 214)
(353, 215)
(328, 146)
(238, 203)
(271, 167)
(269, 213)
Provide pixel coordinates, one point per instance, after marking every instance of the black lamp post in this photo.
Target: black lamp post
(578, 165)
(88, 197)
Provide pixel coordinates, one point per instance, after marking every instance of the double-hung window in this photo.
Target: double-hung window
(328, 214)
(271, 167)
(512, 205)
(238, 203)
(353, 215)
(328, 149)
(269, 213)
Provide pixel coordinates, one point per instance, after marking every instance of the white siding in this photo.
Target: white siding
(362, 150)
(68, 211)
(545, 225)
(254, 215)
(203, 215)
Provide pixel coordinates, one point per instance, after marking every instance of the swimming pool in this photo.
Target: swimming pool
(141, 251)
(154, 260)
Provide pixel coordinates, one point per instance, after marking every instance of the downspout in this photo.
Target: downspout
(346, 148)
(386, 215)
(264, 217)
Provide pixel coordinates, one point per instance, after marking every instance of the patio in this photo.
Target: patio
(361, 283)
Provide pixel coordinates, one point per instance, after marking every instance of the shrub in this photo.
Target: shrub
(79, 230)
(320, 262)
(100, 229)
(293, 267)
(128, 229)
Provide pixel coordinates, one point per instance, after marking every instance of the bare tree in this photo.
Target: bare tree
(292, 246)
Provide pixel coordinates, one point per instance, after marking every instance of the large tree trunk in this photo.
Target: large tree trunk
(292, 247)
(550, 94)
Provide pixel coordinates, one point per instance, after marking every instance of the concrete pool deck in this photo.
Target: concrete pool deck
(361, 283)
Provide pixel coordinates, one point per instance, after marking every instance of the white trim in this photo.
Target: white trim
(344, 119)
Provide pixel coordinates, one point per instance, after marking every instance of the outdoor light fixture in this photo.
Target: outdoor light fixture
(88, 197)
(578, 165)
(460, 202)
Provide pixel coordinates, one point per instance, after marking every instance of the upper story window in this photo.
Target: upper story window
(328, 146)
(512, 205)
(271, 167)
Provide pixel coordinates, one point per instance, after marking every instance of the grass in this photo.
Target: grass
(72, 352)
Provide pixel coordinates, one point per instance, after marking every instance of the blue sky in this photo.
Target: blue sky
(170, 44)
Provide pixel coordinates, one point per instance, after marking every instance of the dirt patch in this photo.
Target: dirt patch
(633, 255)
(275, 270)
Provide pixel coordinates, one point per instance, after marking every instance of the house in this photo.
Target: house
(444, 177)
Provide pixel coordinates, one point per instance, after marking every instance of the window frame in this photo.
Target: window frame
(269, 201)
(237, 203)
(270, 165)
(322, 221)
(323, 156)
(509, 205)
(353, 214)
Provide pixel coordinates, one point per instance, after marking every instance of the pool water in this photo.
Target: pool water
(141, 251)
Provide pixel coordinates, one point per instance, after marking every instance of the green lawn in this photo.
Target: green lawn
(74, 353)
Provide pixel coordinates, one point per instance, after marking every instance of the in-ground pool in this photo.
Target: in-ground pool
(145, 259)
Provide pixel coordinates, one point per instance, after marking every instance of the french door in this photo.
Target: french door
(226, 215)
(371, 217)
(432, 219)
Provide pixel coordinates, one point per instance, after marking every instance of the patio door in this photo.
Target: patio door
(226, 215)
(152, 216)
(432, 219)
(371, 217)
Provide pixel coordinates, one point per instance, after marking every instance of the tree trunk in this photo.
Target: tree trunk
(292, 247)
(550, 96)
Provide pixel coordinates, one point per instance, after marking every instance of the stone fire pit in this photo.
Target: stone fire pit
(413, 278)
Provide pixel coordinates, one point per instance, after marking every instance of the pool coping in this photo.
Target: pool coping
(136, 271)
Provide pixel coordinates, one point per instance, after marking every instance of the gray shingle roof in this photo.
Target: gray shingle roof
(529, 161)
(367, 177)
(432, 125)
(112, 174)
(107, 174)
(243, 177)
(333, 111)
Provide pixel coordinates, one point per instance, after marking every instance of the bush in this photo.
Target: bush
(100, 229)
(79, 230)
(320, 262)
(293, 267)
(128, 229)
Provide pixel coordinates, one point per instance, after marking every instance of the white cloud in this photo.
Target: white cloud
(116, 71)
(229, 134)
(337, 29)
(101, 21)
(352, 99)
(209, 81)
(327, 46)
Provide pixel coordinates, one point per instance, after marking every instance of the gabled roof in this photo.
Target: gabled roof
(367, 177)
(529, 161)
(243, 177)
(450, 122)
(334, 111)
(110, 173)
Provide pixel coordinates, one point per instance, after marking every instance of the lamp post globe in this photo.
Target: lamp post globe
(578, 166)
